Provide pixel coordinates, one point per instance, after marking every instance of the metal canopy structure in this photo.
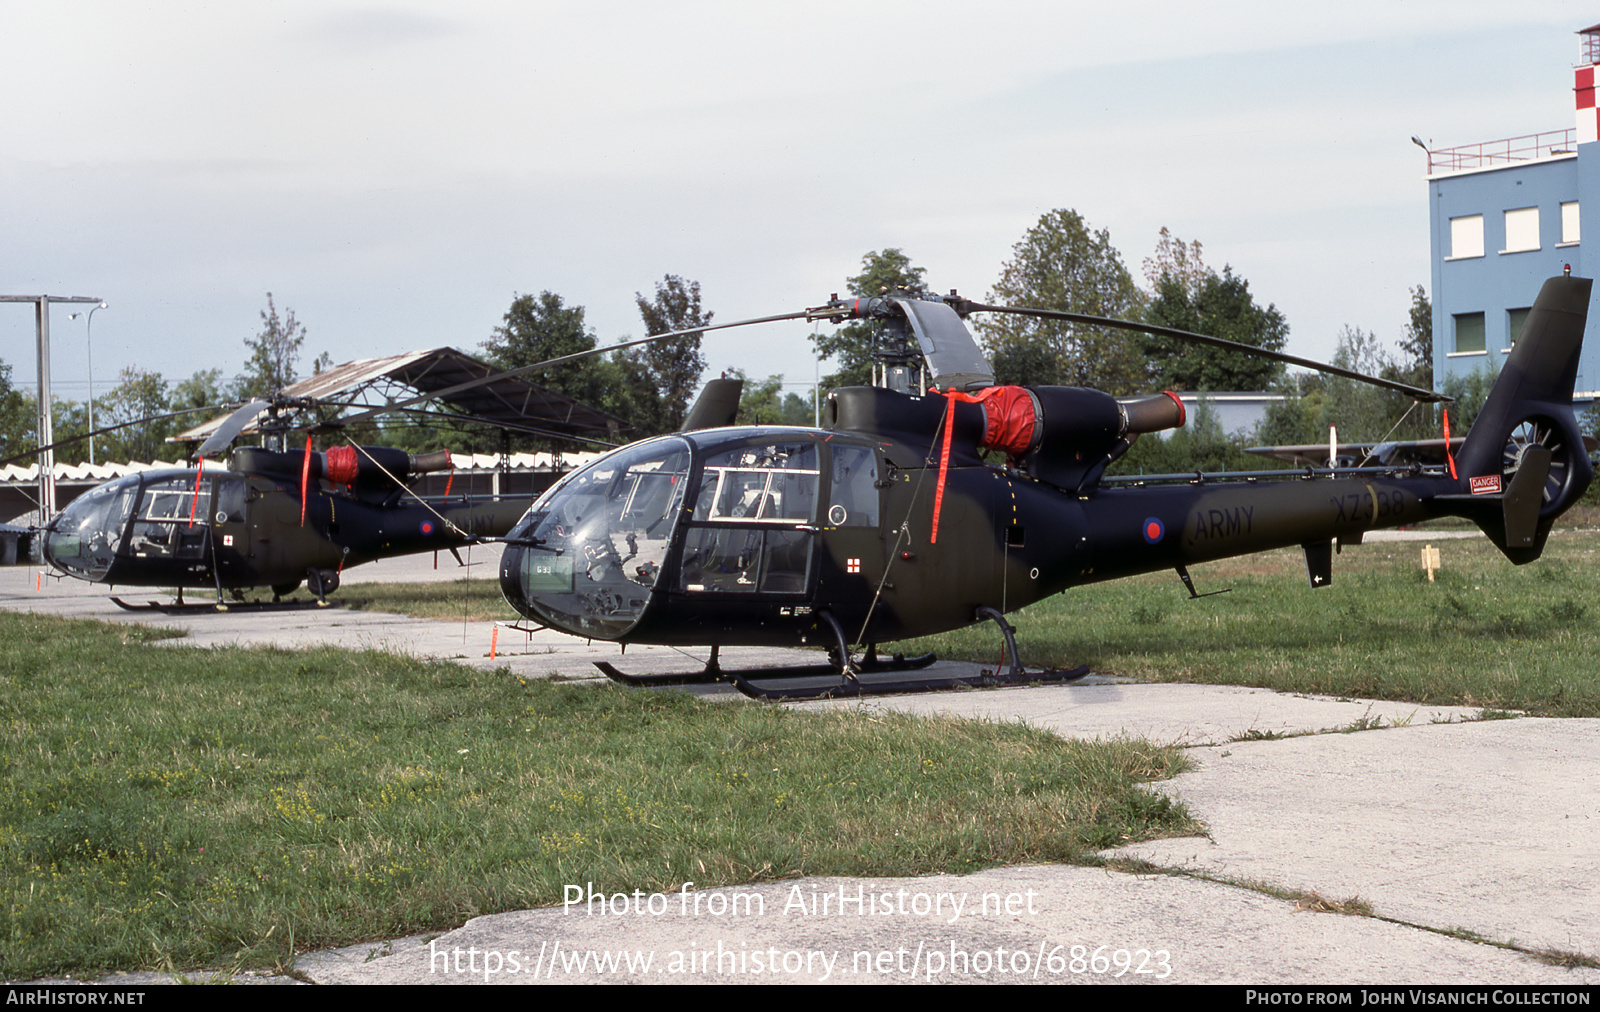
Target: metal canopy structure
(510, 401)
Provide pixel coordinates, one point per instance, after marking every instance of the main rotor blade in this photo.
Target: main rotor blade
(563, 360)
(1416, 393)
(231, 427)
(70, 440)
(953, 356)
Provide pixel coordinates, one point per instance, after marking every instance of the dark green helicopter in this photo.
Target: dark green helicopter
(889, 523)
(272, 518)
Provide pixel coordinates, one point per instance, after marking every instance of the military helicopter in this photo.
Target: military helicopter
(273, 518)
(889, 523)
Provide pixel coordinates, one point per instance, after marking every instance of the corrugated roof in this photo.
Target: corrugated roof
(508, 400)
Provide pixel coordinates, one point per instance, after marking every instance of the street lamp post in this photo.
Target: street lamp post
(89, 338)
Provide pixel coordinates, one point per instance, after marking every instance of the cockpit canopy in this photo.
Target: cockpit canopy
(730, 512)
(84, 539)
(170, 514)
(589, 551)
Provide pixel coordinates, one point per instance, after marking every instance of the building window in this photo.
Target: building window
(1522, 230)
(1469, 334)
(1569, 222)
(1515, 319)
(1466, 236)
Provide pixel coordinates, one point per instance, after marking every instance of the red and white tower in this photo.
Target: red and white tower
(1583, 86)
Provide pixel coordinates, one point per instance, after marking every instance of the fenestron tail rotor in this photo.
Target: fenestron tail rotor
(1523, 449)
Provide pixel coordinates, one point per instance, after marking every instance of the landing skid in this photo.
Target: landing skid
(850, 687)
(186, 608)
(714, 672)
(845, 680)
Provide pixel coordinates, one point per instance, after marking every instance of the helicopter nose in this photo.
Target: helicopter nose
(77, 543)
(587, 556)
(511, 563)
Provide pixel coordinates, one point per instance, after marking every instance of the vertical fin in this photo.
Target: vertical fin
(716, 407)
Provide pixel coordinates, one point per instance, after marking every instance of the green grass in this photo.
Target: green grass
(457, 600)
(1485, 633)
(182, 808)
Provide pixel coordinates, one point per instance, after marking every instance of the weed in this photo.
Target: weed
(1566, 612)
(1252, 734)
(1571, 960)
(1315, 902)
(1146, 615)
(1367, 722)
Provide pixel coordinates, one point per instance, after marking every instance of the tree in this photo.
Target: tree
(1360, 411)
(537, 329)
(18, 421)
(797, 410)
(1470, 391)
(1295, 420)
(765, 403)
(1178, 260)
(1063, 264)
(1416, 347)
(139, 395)
(673, 367)
(1200, 445)
(274, 353)
(1217, 305)
(203, 389)
(540, 328)
(624, 386)
(850, 346)
(759, 403)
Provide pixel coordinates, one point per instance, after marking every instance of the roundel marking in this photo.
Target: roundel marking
(1154, 530)
(427, 527)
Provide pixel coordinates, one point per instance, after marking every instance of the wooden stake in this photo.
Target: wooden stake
(1430, 560)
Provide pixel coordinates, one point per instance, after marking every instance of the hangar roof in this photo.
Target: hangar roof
(508, 400)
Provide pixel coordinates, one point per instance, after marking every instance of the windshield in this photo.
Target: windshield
(84, 539)
(592, 548)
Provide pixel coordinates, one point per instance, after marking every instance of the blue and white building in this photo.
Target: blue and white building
(1504, 215)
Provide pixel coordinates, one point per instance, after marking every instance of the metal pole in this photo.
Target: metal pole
(89, 338)
(47, 457)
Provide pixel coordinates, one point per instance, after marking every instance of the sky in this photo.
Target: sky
(396, 173)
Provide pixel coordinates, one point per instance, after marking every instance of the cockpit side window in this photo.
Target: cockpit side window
(750, 529)
(760, 484)
(173, 519)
